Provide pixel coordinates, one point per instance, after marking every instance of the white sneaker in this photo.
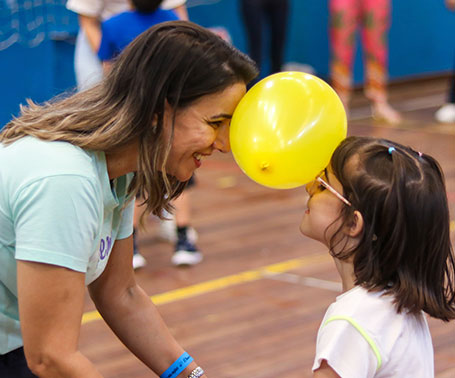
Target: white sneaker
(446, 114)
(183, 257)
(139, 261)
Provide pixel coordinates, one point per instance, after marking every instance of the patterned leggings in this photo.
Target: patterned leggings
(374, 18)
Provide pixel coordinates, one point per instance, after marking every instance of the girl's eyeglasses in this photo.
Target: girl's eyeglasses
(330, 188)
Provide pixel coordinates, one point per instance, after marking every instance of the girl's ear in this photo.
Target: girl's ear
(355, 226)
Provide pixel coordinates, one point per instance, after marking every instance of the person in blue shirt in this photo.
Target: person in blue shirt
(118, 31)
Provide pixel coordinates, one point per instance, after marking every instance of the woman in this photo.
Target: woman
(66, 198)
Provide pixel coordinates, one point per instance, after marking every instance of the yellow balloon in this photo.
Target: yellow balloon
(285, 129)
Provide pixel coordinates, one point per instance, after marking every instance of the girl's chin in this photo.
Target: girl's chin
(302, 230)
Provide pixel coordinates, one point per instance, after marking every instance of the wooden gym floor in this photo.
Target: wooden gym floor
(252, 308)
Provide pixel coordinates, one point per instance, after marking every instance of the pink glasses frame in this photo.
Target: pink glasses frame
(333, 191)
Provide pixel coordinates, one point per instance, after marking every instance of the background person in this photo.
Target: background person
(446, 114)
(373, 16)
(91, 13)
(116, 33)
(259, 14)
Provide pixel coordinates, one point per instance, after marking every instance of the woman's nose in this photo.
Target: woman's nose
(221, 142)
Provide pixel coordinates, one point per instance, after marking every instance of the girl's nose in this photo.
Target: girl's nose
(310, 187)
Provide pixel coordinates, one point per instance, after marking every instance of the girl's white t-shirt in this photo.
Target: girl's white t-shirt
(363, 336)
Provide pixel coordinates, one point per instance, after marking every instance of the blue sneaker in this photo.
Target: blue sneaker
(186, 253)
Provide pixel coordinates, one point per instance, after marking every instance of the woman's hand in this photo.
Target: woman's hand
(51, 302)
(131, 314)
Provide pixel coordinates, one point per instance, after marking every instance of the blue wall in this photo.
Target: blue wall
(38, 73)
(421, 42)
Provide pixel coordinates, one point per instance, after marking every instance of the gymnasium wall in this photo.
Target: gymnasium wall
(421, 43)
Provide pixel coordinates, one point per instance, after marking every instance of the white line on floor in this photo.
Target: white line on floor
(306, 281)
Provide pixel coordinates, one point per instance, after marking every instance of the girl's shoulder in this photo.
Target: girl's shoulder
(375, 312)
(370, 307)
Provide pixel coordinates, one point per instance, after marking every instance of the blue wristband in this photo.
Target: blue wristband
(178, 366)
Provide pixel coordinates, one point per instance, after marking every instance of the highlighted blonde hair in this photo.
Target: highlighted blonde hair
(175, 62)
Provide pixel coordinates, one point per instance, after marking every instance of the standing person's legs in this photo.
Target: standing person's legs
(139, 261)
(186, 252)
(252, 12)
(277, 13)
(87, 66)
(452, 87)
(375, 27)
(446, 114)
(343, 26)
(14, 365)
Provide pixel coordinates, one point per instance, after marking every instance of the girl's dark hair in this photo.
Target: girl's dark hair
(175, 62)
(146, 6)
(405, 246)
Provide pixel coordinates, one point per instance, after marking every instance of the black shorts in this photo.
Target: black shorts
(14, 365)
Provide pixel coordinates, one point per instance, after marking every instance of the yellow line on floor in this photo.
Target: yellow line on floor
(223, 282)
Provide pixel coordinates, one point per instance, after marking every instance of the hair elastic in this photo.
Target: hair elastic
(391, 149)
(178, 366)
(420, 154)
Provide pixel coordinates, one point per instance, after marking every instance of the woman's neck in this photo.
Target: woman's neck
(122, 160)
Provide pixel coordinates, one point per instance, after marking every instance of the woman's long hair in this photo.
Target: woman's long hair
(175, 62)
(405, 246)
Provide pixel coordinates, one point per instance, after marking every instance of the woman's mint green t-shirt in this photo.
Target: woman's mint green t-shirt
(57, 206)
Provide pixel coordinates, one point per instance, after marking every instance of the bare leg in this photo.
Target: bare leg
(375, 26)
(182, 211)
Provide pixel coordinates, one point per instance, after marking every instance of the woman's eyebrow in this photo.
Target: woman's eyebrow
(221, 115)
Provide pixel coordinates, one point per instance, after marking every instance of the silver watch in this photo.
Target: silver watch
(196, 373)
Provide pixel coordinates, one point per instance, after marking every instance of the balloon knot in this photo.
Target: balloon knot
(264, 166)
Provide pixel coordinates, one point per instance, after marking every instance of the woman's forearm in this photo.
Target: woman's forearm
(136, 321)
(56, 365)
(131, 314)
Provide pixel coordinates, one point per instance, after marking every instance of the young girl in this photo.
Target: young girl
(381, 209)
